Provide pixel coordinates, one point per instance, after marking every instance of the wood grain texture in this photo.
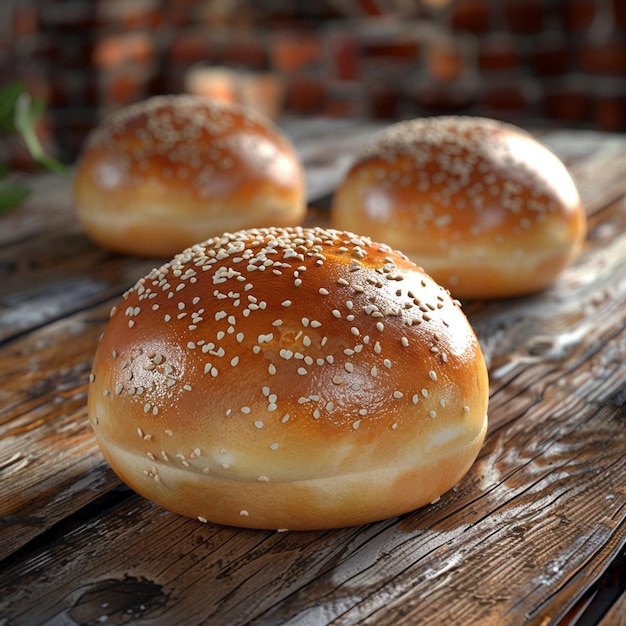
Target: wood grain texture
(518, 542)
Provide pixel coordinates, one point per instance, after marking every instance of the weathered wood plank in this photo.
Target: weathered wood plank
(49, 462)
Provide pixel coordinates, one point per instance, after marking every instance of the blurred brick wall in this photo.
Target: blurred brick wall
(528, 61)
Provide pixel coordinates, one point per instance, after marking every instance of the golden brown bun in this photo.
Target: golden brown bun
(289, 378)
(168, 172)
(481, 205)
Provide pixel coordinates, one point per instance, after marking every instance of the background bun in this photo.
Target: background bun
(163, 174)
(289, 378)
(481, 205)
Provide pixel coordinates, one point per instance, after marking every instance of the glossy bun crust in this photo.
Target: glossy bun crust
(481, 205)
(168, 172)
(289, 378)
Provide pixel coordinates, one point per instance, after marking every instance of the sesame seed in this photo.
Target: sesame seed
(323, 291)
(244, 513)
(432, 374)
(356, 424)
(259, 424)
(433, 414)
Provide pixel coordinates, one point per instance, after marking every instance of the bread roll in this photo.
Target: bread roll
(168, 172)
(481, 205)
(289, 378)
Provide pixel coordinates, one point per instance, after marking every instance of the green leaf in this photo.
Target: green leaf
(26, 116)
(9, 95)
(12, 195)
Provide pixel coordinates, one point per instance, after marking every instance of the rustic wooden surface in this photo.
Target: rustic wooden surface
(534, 535)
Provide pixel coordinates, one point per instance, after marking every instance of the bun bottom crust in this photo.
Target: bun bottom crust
(328, 502)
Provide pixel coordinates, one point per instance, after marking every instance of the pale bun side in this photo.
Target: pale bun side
(160, 175)
(481, 205)
(299, 378)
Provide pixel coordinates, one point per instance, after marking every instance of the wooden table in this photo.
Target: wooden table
(533, 535)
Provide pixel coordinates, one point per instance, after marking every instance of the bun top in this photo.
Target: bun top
(164, 173)
(307, 352)
(484, 207)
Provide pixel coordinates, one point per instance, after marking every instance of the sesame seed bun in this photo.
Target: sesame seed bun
(160, 175)
(289, 378)
(481, 205)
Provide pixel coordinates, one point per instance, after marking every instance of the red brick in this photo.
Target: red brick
(116, 50)
(399, 43)
(179, 13)
(341, 53)
(498, 51)
(619, 13)
(190, 46)
(445, 61)
(568, 101)
(128, 15)
(246, 51)
(610, 113)
(525, 16)
(471, 15)
(609, 105)
(551, 55)
(510, 96)
(305, 94)
(24, 19)
(123, 87)
(455, 97)
(577, 15)
(384, 80)
(607, 58)
(294, 51)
